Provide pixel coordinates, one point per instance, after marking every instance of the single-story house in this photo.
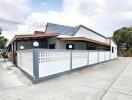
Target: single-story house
(62, 37)
(59, 49)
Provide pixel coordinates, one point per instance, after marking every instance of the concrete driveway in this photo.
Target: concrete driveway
(111, 80)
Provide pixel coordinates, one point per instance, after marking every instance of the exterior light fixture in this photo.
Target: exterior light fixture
(35, 44)
(70, 46)
(21, 47)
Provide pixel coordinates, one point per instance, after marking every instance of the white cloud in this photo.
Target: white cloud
(13, 9)
(103, 16)
(12, 13)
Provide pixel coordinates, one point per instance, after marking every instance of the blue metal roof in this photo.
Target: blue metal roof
(61, 29)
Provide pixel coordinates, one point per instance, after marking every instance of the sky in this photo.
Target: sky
(26, 16)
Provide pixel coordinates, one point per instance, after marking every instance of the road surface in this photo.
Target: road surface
(111, 80)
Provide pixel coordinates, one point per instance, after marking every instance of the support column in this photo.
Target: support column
(36, 65)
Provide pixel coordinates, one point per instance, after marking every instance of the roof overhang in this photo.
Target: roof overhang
(32, 36)
(82, 39)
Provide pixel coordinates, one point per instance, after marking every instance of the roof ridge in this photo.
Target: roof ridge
(62, 25)
(61, 29)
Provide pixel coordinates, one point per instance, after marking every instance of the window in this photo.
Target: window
(69, 46)
(112, 49)
(108, 48)
(51, 46)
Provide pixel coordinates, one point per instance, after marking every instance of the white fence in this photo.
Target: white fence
(53, 61)
(25, 61)
(79, 58)
(56, 61)
(49, 62)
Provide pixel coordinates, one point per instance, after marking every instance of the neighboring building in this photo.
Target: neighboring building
(63, 37)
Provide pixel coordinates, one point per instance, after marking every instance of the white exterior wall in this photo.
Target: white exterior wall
(77, 45)
(114, 54)
(82, 32)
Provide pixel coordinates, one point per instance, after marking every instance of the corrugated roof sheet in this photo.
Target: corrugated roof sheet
(61, 29)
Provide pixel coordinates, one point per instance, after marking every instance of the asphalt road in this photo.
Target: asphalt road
(111, 80)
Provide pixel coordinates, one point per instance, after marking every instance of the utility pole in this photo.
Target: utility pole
(0, 30)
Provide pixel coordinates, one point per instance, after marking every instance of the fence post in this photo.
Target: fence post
(70, 59)
(35, 65)
(88, 59)
(98, 56)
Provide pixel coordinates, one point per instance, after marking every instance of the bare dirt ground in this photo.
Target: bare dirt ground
(111, 80)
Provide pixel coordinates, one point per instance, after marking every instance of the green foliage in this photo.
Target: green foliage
(3, 42)
(123, 36)
(123, 39)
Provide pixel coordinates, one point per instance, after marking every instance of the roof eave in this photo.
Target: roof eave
(83, 39)
(30, 36)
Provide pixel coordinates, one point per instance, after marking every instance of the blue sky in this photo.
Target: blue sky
(44, 5)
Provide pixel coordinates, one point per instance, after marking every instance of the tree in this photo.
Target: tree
(3, 40)
(123, 36)
(123, 39)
